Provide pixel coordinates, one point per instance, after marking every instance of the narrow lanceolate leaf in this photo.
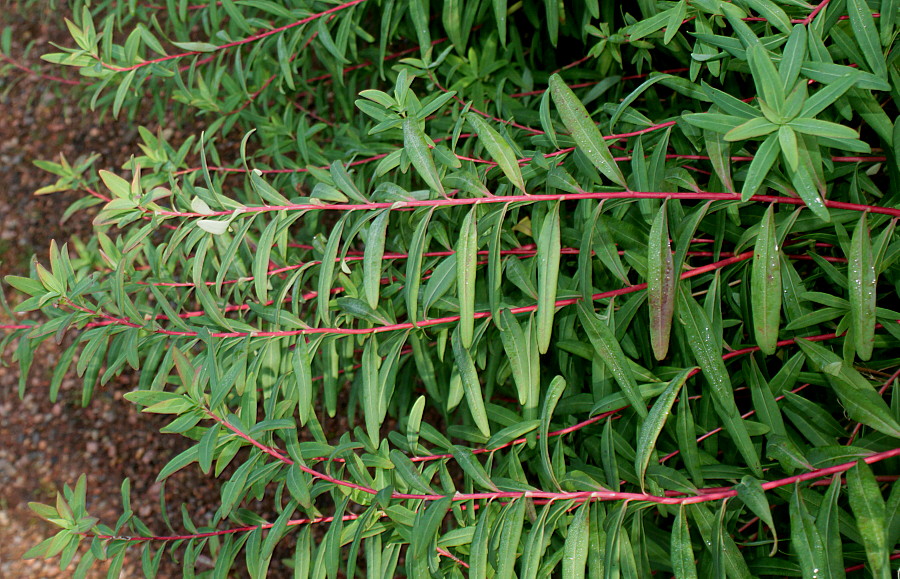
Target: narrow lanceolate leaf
(554, 392)
(414, 267)
(473, 468)
(373, 258)
(704, 346)
(660, 284)
(326, 270)
(759, 169)
(371, 396)
(466, 257)
(513, 519)
(682, 550)
(765, 285)
(577, 543)
(868, 508)
(653, 425)
(548, 253)
(750, 491)
(607, 347)
(866, 35)
(471, 385)
(515, 345)
(861, 275)
(416, 146)
(828, 525)
(499, 150)
(766, 78)
(478, 558)
(586, 134)
(805, 537)
(303, 377)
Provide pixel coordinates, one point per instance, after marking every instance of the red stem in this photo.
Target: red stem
(240, 42)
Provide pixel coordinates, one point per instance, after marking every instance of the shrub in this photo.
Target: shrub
(578, 286)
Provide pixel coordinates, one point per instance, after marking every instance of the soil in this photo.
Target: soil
(44, 444)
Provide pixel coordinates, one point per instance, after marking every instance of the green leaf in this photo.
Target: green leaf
(442, 278)
(765, 157)
(758, 127)
(862, 289)
(660, 284)
(428, 522)
(373, 258)
(828, 524)
(675, 19)
(868, 508)
(466, 258)
(122, 91)
(653, 424)
(805, 538)
(820, 128)
(408, 472)
(510, 529)
(715, 121)
(604, 341)
(787, 139)
(326, 270)
(196, 46)
(471, 385)
(866, 35)
(518, 353)
(704, 345)
(828, 95)
(765, 284)
(766, 77)
(371, 391)
(751, 493)
(478, 558)
(548, 257)
(773, 14)
(586, 134)
(551, 398)
(416, 147)
(414, 266)
(577, 543)
(473, 468)
(681, 548)
(119, 187)
(499, 150)
(860, 399)
(261, 261)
